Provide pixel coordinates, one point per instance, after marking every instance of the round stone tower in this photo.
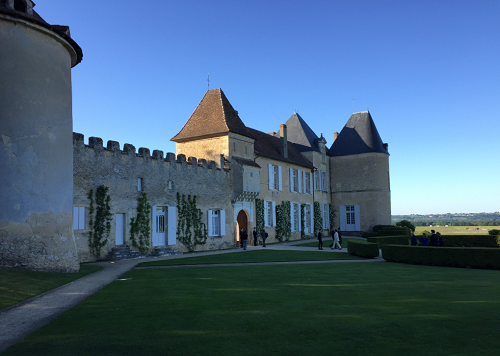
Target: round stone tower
(36, 147)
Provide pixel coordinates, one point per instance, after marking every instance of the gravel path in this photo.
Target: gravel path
(20, 320)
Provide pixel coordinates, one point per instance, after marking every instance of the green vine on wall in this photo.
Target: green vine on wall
(318, 218)
(283, 221)
(140, 226)
(331, 213)
(259, 209)
(302, 221)
(100, 225)
(191, 231)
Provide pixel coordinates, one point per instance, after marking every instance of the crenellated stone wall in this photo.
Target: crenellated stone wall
(162, 177)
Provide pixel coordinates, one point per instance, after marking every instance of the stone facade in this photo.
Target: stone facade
(36, 158)
(161, 179)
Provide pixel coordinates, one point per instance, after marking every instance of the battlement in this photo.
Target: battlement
(96, 145)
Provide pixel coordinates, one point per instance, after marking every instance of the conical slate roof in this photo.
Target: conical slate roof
(359, 135)
(213, 115)
(301, 134)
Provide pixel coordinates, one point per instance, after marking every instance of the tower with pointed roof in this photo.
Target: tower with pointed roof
(36, 148)
(359, 175)
(214, 128)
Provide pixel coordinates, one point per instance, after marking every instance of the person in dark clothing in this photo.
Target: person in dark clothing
(320, 240)
(440, 239)
(424, 240)
(264, 235)
(255, 237)
(414, 241)
(340, 236)
(244, 238)
(433, 241)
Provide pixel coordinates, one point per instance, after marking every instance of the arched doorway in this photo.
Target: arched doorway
(242, 222)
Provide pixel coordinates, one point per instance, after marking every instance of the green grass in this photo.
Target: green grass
(456, 230)
(253, 257)
(336, 309)
(17, 285)
(326, 243)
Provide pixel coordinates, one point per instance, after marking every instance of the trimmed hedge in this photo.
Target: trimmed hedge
(389, 240)
(476, 257)
(387, 230)
(381, 227)
(469, 241)
(362, 248)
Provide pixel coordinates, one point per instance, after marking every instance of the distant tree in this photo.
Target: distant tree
(406, 223)
(494, 232)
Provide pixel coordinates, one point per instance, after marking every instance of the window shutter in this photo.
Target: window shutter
(315, 180)
(172, 225)
(304, 188)
(327, 183)
(311, 215)
(300, 224)
(310, 183)
(299, 182)
(223, 223)
(270, 176)
(291, 180)
(279, 178)
(274, 214)
(153, 220)
(81, 218)
(357, 221)
(327, 223)
(292, 213)
(342, 217)
(267, 208)
(209, 223)
(75, 218)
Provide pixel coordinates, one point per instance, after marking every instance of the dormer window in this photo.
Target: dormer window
(20, 5)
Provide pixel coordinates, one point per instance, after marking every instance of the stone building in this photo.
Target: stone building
(36, 159)
(47, 171)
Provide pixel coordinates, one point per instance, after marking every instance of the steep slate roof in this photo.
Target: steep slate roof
(359, 135)
(269, 146)
(62, 31)
(301, 134)
(213, 115)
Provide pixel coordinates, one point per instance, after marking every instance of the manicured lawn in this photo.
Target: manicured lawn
(373, 308)
(16, 286)
(252, 257)
(326, 243)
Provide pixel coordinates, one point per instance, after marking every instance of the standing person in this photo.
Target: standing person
(255, 237)
(440, 239)
(333, 239)
(264, 235)
(320, 240)
(433, 241)
(340, 236)
(424, 240)
(241, 237)
(244, 237)
(336, 241)
(413, 239)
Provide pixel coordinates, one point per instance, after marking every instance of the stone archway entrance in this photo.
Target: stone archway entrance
(242, 222)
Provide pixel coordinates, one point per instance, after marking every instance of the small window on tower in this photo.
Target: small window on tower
(139, 184)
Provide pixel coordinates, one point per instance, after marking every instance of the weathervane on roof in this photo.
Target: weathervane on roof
(208, 80)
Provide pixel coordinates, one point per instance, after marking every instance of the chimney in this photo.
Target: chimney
(335, 135)
(284, 141)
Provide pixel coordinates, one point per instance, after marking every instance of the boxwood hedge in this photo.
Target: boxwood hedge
(469, 241)
(474, 257)
(362, 248)
(389, 240)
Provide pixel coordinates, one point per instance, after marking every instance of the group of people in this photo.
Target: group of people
(337, 239)
(244, 238)
(435, 239)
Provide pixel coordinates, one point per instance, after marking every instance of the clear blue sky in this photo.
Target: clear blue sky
(428, 70)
